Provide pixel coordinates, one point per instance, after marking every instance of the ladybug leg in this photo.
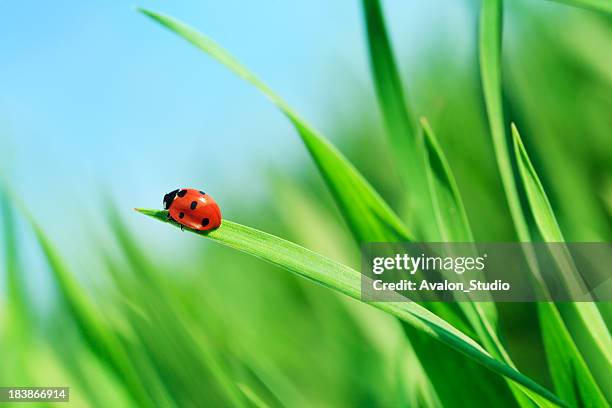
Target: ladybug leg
(182, 228)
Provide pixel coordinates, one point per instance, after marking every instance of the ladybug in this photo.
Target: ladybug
(192, 209)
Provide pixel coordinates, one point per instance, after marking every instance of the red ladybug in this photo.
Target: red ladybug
(193, 209)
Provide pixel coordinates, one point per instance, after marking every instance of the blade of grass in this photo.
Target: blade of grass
(162, 333)
(604, 6)
(448, 207)
(450, 213)
(543, 214)
(490, 70)
(103, 341)
(589, 329)
(19, 314)
(343, 279)
(316, 233)
(571, 376)
(366, 213)
(454, 227)
(398, 119)
(490, 33)
(16, 332)
(252, 396)
(451, 217)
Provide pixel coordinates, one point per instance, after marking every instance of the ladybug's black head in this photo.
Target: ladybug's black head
(169, 198)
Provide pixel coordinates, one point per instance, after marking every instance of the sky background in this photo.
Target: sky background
(96, 97)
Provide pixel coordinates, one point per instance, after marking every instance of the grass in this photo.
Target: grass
(345, 280)
(217, 325)
(593, 333)
(400, 125)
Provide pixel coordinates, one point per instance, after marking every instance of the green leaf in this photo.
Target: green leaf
(448, 206)
(451, 217)
(604, 6)
(587, 326)
(398, 120)
(367, 215)
(571, 376)
(343, 279)
(490, 34)
(490, 43)
(454, 227)
(18, 335)
(103, 341)
(538, 200)
(15, 283)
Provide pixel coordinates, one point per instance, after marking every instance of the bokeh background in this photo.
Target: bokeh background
(102, 110)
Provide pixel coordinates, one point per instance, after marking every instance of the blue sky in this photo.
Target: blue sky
(93, 94)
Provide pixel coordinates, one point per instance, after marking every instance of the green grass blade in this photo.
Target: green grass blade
(571, 376)
(448, 206)
(398, 120)
(450, 213)
(604, 6)
(490, 38)
(252, 396)
(588, 327)
(454, 227)
(343, 279)
(137, 259)
(490, 33)
(15, 282)
(17, 329)
(544, 215)
(538, 200)
(103, 341)
(490, 44)
(366, 213)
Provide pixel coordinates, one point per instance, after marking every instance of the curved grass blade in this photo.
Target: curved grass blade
(103, 341)
(343, 279)
(426, 187)
(490, 43)
(589, 328)
(571, 376)
(490, 36)
(398, 120)
(454, 227)
(366, 213)
(449, 210)
(15, 284)
(604, 6)
(16, 331)
(490, 33)
(448, 207)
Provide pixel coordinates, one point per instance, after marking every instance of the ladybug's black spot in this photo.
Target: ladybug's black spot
(205, 222)
(201, 192)
(193, 205)
(181, 193)
(181, 215)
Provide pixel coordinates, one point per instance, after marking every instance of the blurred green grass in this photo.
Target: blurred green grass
(218, 328)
